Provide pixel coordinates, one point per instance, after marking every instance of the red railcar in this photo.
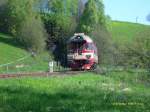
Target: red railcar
(82, 52)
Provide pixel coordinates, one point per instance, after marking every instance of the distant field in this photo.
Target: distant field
(115, 92)
(125, 32)
(13, 56)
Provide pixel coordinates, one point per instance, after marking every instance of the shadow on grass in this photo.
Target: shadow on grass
(10, 41)
(27, 99)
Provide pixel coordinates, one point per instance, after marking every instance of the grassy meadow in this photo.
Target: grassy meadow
(88, 92)
(13, 58)
(126, 32)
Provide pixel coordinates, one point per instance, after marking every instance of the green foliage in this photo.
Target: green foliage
(18, 11)
(60, 24)
(32, 34)
(59, 28)
(132, 44)
(103, 40)
(93, 15)
(138, 54)
(3, 16)
(64, 7)
(93, 22)
(21, 21)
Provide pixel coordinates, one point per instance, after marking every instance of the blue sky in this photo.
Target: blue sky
(128, 10)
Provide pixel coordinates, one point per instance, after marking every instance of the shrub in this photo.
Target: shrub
(138, 53)
(106, 51)
(32, 34)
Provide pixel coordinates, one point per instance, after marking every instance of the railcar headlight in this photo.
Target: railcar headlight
(88, 56)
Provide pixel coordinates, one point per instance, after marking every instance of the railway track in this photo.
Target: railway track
(39, 74)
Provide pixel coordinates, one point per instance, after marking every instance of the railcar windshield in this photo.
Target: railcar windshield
(90, 46)
(74, 47)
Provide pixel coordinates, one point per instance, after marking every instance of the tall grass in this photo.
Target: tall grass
(115, 92)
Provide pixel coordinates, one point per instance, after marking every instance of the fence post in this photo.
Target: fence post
(7, 68)
(51, 66)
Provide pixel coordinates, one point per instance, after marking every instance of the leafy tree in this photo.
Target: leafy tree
(106, 50)
(93, 15)
(60, 22)
(93, 22)
(3, 16)
(64, 7)
(18, 17)
(18, 11)
(59, 28)
(33, 35)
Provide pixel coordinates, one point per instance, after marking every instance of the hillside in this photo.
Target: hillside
(13, 58)
(9, 51)
(124, 32)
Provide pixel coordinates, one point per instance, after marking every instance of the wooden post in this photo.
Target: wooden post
(51, 66)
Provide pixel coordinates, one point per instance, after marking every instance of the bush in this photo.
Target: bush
(138, 53)
(93, 15)
(33, 35)
(103, 40)
(59, 27)
(19, 19)
(3, 16)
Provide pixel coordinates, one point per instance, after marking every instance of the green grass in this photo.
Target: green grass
(11, 53)
(125, 32)
(115, 92)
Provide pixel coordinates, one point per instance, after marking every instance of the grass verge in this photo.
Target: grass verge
(114, 92)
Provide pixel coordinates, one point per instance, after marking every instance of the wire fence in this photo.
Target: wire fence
(24, 65)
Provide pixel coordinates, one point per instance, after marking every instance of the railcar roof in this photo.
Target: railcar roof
(84, 37)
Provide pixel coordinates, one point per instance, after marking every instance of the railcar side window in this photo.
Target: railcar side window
(89, 46)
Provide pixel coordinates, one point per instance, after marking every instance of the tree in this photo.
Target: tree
(33, 35)
(17, 19)
(18, 12)
(106, 50)
(61, 20)
(60, 24)
(93, 15)
(3, 16)
(64, 7)
(93, 22)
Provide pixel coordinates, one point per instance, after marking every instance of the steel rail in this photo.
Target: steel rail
(39, 74)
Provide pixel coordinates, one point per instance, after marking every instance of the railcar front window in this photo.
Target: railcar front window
(89, 46)
(75, 47)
